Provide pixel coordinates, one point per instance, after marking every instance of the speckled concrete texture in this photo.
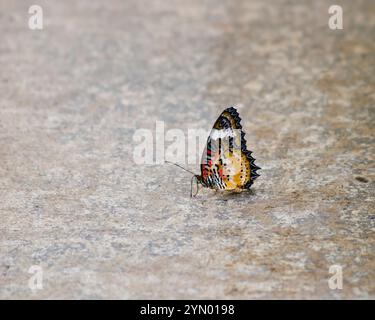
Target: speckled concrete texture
(73, 201)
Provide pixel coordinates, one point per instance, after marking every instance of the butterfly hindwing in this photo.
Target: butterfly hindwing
(226, 163)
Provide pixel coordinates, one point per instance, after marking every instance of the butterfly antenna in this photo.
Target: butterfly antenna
(177, 165)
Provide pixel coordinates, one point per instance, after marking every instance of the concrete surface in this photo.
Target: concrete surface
(73, 202)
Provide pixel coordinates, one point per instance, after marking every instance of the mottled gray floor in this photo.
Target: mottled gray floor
(73, 201)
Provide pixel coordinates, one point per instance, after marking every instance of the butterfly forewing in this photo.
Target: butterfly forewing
(226, 163)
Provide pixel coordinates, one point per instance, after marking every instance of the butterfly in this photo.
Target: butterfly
(226, 164)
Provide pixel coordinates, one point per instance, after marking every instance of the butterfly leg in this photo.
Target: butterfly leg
(191, 186)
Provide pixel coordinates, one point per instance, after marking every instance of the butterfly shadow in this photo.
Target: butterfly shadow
(225, 195)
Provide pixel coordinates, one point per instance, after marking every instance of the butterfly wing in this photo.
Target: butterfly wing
(226, 163)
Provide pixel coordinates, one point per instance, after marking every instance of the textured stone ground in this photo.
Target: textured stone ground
(73, 202)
